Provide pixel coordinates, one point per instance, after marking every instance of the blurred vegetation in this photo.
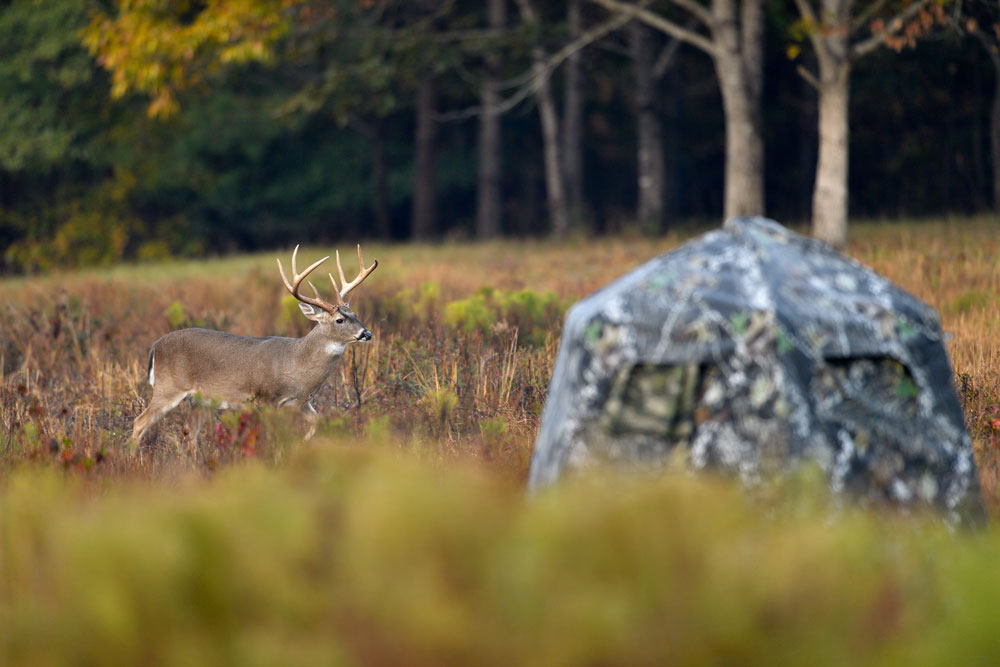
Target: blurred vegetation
(356, 556)
(282, 138)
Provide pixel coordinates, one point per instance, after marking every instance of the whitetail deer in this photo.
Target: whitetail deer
(273, 370)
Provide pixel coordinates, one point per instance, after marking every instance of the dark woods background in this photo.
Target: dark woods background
(319, 144)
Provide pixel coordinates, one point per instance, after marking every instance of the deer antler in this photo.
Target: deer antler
(297, 279)
(347, 287)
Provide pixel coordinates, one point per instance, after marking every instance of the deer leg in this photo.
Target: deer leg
(160, 404)
(311, 417)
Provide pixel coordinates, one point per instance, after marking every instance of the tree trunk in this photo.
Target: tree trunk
(424, 167)
(740, 72)
(553, 167)
(829, 214)
(555, 189)
(380, 195)
(830, 190)
(744, 174)
(752, 48)
(995, 139)
(489, 188)
(573, 121)
(671, 145)
(649, 133)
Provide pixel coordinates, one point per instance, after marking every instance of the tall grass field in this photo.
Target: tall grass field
(401, 533)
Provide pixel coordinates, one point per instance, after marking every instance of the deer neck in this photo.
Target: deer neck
(315, 357)
(317, 347)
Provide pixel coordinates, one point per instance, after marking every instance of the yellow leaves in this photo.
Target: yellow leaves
(161, 47)
(119, 86)
(793, 51)
(163, 105)
(245, 52)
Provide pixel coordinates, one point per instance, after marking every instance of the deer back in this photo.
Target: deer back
(236, 369)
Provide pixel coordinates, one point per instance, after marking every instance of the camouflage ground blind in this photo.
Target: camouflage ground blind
(753, 349)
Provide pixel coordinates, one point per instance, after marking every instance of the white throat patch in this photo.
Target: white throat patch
(335, 349)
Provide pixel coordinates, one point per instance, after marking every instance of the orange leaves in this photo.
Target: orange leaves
(901, 34)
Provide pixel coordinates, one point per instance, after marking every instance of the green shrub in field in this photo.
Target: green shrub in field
(290, 321)
(179, 318)
(430, 297)
(176, 315)
(533, 314)
(439, 402)
(396, 309)
(969, 301)
(494, 434)
(378, 428)
(472, 314)
(354, 557)
(407, 306)
(493, 430)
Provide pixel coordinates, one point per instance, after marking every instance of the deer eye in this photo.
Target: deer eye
(340, 320)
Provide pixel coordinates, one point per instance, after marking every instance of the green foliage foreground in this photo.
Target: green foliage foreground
(345, 556)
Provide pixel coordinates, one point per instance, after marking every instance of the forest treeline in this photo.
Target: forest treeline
(150, 128)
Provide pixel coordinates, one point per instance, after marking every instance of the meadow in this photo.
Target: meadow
(401, 533)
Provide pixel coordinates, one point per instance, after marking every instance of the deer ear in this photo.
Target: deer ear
(314, 314)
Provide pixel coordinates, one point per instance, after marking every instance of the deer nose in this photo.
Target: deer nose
(365, 335)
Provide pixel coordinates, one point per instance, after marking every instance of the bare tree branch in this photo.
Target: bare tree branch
(669, 52)
(861, 19)
(527, 84)
(662, 24)
(807, 12)
(696, 10)
(805, 9)
(808, 76)
(893, 26)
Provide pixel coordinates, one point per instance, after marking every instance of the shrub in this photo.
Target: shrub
(408, 307)
(290, 320)
(472, 314)
(176, 315)
(179, 318)
(533, 314)
(969, 301)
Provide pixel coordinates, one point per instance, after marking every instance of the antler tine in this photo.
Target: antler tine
(297, 278)
(346, 287)
(315, 291)
(340, 270)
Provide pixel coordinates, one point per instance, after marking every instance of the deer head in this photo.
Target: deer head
(335, 321)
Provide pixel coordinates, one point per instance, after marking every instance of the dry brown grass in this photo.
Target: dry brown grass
(74, 348)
